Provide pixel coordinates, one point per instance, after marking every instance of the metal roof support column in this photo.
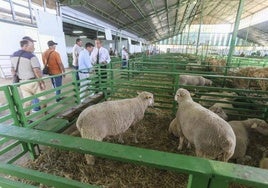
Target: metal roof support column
(31, 11)
(187, 40)
(234, 35)
(45, 5)
(248, 30)
(120, 44)
(12, 10)
(181, 45)
(200, 24)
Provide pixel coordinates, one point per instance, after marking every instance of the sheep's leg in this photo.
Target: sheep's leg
(135, 140)
(85, 133)
(181, 143)
(189, 145)
(226, 156)
(120, 139)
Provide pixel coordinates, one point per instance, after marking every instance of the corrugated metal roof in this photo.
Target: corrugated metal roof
(158, 19)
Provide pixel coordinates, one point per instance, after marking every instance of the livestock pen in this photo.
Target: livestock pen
(162, 79)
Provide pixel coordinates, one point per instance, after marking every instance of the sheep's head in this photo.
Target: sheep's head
(146, 96)
(260, 126)
(219, 111)
(182, 94)
(208, 82)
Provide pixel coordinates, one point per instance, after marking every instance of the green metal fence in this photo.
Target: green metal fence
(160, 78)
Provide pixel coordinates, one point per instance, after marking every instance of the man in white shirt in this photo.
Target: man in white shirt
(85, 66)
(101, 56)
(76, 50)
(124, 58)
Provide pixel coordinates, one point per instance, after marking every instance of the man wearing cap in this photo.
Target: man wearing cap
(85, 66)
(28, 69)
(52, 59)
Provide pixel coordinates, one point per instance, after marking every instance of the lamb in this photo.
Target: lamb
(112, 118)
(217, 109)
(241, 129)
(218, 98)
(175, 129)
(212, 136)
(194, 80)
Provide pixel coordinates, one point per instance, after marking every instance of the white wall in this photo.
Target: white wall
(49, 27)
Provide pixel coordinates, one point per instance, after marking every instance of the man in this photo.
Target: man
(28, 69)
(124, 58)
(84, 63)
(76, 50)
(52, 59)
(100, 56)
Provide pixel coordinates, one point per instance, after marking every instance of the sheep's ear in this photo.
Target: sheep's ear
(254, 126)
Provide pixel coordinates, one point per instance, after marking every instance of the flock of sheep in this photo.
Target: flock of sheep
(205, 129)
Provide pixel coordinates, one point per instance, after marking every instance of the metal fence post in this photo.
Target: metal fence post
(76, 87)
(175, 88)
(21, 118)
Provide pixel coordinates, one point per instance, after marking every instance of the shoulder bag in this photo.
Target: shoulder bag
(16, 78)
(46, 68)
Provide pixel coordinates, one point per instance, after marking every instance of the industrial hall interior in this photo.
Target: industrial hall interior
(134, 93)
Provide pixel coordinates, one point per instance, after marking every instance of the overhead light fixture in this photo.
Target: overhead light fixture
(77, 32)
(82, 37)
(101, 36)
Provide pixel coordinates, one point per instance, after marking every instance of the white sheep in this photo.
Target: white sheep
(217, 109)
(194, 66)
(264, 161)
(241, 129)
(194, 80)
(223, 102)
(175, 129)
(212, 96)
(112, 118)
(212, 136)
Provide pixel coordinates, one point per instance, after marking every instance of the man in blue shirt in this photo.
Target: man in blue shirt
(85, 66)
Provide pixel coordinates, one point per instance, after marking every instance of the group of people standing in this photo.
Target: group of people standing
(85, 58)
(26, 65)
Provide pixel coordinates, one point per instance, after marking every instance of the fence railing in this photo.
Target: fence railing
(203, 173)
(118, 83)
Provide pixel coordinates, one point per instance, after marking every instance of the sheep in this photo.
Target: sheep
(212, 136)
(217, 109)
(112, 118)
(194, 80)
(175, 129)
(194, 66)
(241, 129)
(211, 96)
(264, 161)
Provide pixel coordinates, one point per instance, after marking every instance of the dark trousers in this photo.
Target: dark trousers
(57, 82)
(102, 74)
(76, 74)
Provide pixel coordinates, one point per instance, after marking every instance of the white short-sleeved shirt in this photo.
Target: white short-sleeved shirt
(76, 50)
(103, 55)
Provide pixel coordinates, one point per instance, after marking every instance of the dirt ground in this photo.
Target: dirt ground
(152, 134)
